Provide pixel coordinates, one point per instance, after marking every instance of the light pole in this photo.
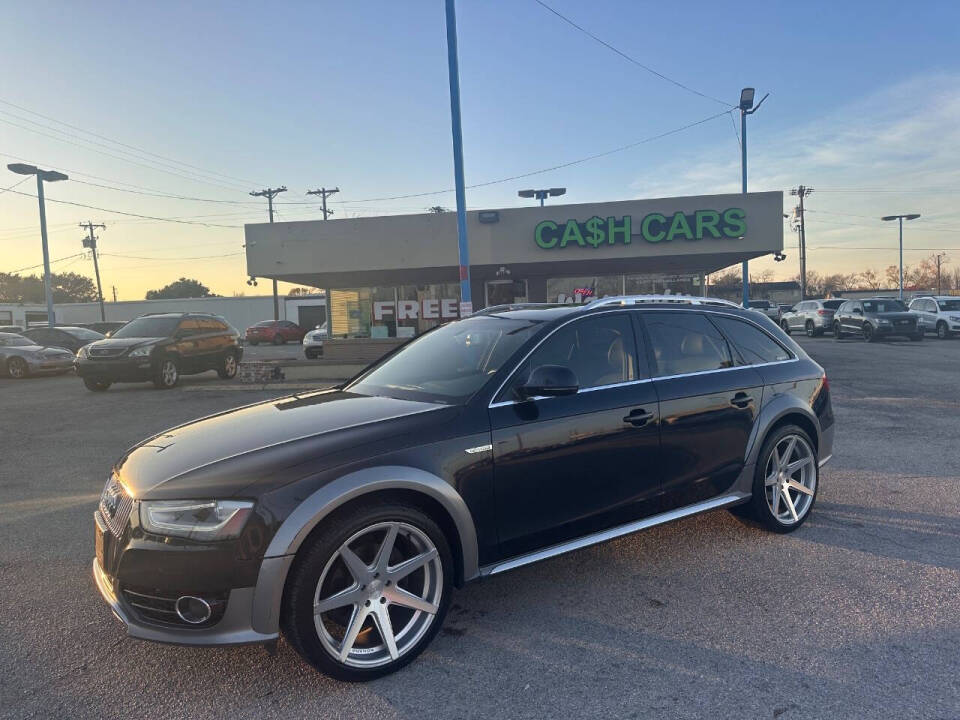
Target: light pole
(49, 176)
(746, 108)
(463, 246)
(542, 195)
(901, 218)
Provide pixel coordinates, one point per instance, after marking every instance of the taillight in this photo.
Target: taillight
(826, 383)
(823, 312)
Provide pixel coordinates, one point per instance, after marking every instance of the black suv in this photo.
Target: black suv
(345, 516)
(161, 347)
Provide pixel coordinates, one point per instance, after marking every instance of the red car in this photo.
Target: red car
(274, 331)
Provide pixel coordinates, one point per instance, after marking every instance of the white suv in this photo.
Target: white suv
(313, 342)
(939, 314)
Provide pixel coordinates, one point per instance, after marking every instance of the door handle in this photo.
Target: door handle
(741, 400)
(638, 417)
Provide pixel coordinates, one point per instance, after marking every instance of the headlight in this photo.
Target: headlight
(881, 321)
(82, 352)
(955, 318)
(142, 351)
(195, 519)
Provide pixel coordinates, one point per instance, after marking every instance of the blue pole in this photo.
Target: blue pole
(466, 303)
(743, 177)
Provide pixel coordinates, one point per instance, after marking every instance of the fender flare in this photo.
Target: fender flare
(294, 530)
(779, 407)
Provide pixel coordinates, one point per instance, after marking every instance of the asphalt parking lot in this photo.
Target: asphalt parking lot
(855, 615)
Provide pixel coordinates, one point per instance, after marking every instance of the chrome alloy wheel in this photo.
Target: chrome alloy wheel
(378, 594)
(790, 479)
(168, 373)
(230, 365)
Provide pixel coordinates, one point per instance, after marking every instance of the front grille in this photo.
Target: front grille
(105, 352)
(115, 506)
(159, 607)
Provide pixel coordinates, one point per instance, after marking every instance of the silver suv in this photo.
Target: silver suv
(812, 316)
(939, 314)
(771, 310)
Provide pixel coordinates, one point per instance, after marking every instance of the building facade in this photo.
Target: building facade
(395, 276)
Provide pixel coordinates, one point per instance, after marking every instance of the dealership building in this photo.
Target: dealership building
(394, 276)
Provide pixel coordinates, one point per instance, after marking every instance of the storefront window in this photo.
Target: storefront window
(506, 292)
(583, 288)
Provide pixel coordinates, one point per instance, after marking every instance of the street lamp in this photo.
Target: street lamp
(746, 108)
(49, 176)
(901, 218)
(542, 195)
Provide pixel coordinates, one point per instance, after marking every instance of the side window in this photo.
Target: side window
(189, 327)
(931, 306)
(754, 345)
(600, 350)
(686, 343)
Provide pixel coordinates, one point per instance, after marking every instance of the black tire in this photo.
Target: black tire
(278, 340)
(943, 330)
(759, 505)
(785, 326)
(96, 385)
(297, 614)
(917, 337)
(228, 366)
(311, 354)
(837, 332)
(166, 377)
(17, 368)
(811, 330)
(868, 334)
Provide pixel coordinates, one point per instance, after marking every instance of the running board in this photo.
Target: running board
(619, 531)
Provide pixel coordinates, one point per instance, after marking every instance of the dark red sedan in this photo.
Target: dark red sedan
(277, 332)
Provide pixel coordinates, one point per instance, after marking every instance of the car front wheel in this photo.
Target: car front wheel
(96, 385)
(369, 592)
(785, 483)
(837, 332)
(868, 334)
(168, 374)
(943, 332)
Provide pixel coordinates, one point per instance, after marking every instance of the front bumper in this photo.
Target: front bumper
(123, 369)
(897, 330)
(234, 628)
(42, 365)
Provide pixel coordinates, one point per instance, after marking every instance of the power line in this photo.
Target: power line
(115, 142)
(18, 182)
(130, 214)
(33, 267)
(628, 57)
(197, 257)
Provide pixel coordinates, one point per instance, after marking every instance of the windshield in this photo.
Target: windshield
(148, 327)
(85, 334)
(883, 306)
(16, 342)
(949, 304)
(833, 304)
(264, 323)
(449, 364)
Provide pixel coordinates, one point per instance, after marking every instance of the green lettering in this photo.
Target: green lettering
(707, 220)
(572, 232)
(595, 233)
(624, 231)
(736, 222)
(679, 226)
(652, 237)
(545, 243)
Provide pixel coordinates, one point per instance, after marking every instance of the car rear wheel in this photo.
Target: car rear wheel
(17, 368)
(369, 592)
(786, 327)
(785, 482)
(228, 366)
(278, 339)
(868, 334)
(943, 331)
(809, 327)
(168, 374)
(96, 385)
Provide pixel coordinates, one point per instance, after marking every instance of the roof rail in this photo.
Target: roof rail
(516, 306)
(666, 299)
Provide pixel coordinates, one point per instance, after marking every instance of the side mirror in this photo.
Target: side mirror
(549, 381)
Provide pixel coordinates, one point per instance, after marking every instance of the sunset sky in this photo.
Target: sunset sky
(208, 101)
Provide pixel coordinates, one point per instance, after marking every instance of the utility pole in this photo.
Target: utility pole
(91, 242)
(114, 293)
(939, 258)
(323, 193)
(270, 194)
(746, 108)
(801, 192)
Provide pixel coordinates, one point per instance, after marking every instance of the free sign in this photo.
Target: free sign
(427, 309)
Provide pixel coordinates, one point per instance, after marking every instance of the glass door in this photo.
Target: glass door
(506, 292)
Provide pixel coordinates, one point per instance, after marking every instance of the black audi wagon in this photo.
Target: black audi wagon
(343, 517)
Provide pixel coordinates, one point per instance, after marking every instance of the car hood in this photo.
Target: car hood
(272, 442)
(121, 343)
(32, 350)
(893, 316)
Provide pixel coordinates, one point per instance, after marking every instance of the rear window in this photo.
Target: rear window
(686, 343)
(265, 323)
(832, 304)
(754, 345)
